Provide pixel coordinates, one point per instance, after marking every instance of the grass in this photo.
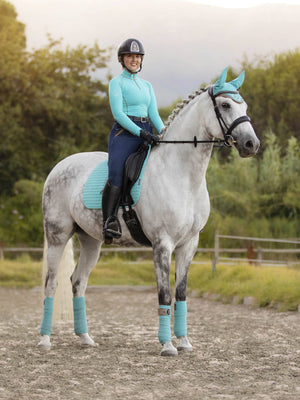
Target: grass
(267, 285)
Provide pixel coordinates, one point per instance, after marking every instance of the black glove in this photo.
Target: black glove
(150, 138)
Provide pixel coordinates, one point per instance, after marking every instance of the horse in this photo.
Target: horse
(172, 209)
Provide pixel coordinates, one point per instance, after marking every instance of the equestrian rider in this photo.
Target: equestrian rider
(134, 108)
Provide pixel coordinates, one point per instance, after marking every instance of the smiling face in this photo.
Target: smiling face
(132, 61)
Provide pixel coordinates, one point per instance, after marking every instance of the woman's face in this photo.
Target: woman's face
(132, 61)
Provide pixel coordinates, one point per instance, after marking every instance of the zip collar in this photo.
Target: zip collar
(128, 75)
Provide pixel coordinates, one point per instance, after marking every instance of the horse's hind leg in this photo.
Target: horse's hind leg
(184, 256)
(89, 254)
(56, 245)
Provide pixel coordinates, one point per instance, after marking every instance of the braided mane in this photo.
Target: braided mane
(179, 107)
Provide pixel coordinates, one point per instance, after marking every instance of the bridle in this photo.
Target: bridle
(228, 140)
(227, 130)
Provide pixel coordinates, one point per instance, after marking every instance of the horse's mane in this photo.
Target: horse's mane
(180, 106)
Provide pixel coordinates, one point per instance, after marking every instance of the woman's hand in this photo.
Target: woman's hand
(149, 137)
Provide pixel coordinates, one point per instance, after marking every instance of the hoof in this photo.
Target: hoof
(45, 343)
(169, 350)
(86, 341)
(184, 344)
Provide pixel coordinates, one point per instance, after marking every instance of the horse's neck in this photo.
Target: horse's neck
(188, 123)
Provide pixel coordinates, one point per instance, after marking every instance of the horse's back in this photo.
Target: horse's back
(69, 176)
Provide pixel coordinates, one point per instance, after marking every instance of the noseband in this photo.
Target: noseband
(227, 130)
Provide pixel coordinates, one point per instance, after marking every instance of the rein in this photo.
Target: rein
(220, 143)
(228, 140)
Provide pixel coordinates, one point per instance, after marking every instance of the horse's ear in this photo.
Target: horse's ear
(237, 82)
(219, 85)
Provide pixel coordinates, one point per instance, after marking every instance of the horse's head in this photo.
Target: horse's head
(230, 109)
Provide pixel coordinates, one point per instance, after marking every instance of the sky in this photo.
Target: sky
(84, 21)
(242, 3)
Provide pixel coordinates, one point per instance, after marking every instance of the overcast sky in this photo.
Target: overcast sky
(242, 3)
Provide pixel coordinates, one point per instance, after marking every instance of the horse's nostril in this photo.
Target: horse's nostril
(249, 144)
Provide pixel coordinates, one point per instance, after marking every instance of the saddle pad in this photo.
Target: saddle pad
(92, 193)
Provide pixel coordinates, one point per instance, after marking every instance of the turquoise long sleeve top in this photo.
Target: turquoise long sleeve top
(130, 95)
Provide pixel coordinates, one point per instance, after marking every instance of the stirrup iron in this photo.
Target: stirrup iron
(111, 233)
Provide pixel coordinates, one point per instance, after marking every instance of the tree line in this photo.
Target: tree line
(52, 105)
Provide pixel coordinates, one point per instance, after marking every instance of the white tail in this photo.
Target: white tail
(63, 306)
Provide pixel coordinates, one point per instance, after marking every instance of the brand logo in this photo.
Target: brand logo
(134, 47)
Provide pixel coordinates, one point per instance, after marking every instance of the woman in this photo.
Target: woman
(134, 108)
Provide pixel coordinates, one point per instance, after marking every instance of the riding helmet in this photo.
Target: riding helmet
(133, 46)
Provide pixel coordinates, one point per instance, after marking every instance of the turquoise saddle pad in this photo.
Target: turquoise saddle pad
(92, 193)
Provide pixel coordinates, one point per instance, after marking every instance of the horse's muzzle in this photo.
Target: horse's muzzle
(247, 145)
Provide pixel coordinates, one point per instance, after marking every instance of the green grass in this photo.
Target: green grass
(267, 285)
(20, 273)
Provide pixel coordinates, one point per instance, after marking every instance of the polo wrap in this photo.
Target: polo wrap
(164, 331)
(46, 325)
(80, 323)
(180, 314)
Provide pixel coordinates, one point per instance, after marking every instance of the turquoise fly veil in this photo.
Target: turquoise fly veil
(229, 89)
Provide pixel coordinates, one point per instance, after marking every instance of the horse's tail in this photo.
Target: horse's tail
(63, 306)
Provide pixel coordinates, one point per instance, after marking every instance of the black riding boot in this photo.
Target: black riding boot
(110, 206)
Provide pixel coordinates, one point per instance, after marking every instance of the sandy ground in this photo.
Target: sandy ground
(239, 352)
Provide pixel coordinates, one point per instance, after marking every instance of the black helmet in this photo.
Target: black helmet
(133, 46)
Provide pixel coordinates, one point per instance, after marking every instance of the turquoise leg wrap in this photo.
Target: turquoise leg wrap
(80, 324)
(180, 312)
(164, 331)
(46, 325)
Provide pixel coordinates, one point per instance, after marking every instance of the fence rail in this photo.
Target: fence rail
(216, 250)
(259, 260)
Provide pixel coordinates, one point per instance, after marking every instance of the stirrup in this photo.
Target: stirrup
(111, 233)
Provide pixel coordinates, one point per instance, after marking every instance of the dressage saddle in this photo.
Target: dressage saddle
(132, 171)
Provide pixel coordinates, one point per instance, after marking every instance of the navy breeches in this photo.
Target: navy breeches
(121, 144)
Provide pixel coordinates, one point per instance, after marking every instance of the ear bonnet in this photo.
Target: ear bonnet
(229, 89)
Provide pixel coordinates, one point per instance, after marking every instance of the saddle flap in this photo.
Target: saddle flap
(134, 164)
(132, 170)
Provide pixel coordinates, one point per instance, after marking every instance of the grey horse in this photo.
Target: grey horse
(172, 209)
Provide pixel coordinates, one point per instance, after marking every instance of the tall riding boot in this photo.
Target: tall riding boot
(110, 205)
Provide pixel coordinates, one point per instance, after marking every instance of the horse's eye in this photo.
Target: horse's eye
(226, 106)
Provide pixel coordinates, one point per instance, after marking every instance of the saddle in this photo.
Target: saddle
(132, 171)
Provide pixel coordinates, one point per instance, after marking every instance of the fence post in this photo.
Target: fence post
(216, 251)
(259, 256)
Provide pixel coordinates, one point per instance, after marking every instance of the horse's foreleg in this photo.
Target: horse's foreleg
(184, 256)
(162, 261)
(89, 254)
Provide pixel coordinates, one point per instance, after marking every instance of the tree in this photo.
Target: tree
(64, 110)
(12, 50)
(271, 90)
(51, 102)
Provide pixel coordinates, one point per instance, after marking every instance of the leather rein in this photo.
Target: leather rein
(228, 140)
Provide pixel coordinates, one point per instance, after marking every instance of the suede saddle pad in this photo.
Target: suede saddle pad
(93, 188)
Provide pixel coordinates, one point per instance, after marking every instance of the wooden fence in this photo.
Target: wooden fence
(251, 251)
(216, 251)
